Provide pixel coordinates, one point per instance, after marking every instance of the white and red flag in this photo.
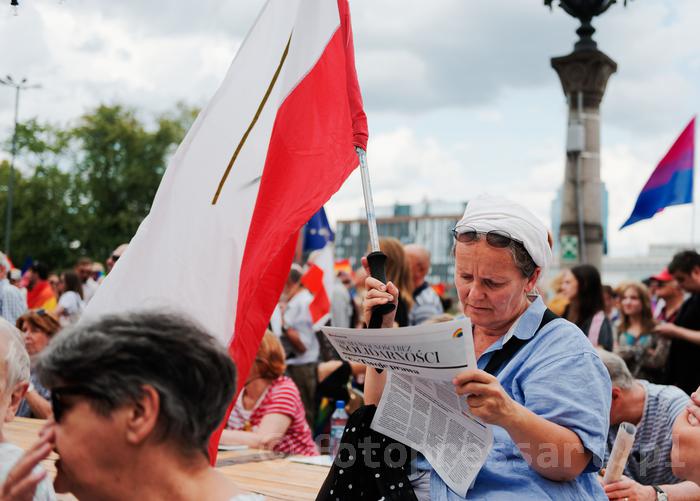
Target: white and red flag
(319, 277)
(270, 148)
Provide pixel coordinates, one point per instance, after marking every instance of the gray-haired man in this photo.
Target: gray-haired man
(14, 380)
(653, 409)
(12, 301)
(427, 303)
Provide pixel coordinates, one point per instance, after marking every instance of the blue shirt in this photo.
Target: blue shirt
(558, 376)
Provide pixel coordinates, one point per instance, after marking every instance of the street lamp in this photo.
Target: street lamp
(18, 86)
(585, 11)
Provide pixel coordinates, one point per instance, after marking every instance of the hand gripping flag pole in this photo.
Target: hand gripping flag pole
(376, 259)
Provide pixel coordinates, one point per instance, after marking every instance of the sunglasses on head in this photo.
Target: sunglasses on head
(495, 238)
(58, 405)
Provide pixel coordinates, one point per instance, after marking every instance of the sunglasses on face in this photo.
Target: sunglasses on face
(115, 258)
(58, 403)
(495, 238)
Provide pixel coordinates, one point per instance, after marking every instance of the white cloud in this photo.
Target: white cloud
(460, 94)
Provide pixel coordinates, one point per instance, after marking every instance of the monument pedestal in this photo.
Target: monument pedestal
(584, 75)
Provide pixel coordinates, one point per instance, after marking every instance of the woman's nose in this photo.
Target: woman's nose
(475, 291)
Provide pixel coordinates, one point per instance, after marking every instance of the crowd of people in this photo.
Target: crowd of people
(559, 369)
(651, 324)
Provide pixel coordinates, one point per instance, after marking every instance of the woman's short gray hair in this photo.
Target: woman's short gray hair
(16, 356)
(620, 375)
(117, 355)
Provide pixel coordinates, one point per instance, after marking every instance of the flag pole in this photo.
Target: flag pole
(692, 222)
(375, 259)
(692, 217)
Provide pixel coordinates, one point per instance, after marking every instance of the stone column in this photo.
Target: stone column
(584, 75)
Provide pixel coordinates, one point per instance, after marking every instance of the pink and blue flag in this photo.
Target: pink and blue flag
(671, 183)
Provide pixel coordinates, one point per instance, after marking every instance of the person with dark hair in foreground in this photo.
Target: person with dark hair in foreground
(135, 399)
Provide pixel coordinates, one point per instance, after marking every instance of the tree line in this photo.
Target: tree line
(83, 188)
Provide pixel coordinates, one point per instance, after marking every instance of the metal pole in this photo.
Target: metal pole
(376, 259)
(11, 179)
(692, 226)
(369, 201)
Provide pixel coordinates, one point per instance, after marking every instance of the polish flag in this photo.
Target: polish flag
(270, 148)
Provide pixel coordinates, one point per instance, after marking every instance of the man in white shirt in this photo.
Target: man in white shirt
(300, 340)
(83, 268)
(12, 302)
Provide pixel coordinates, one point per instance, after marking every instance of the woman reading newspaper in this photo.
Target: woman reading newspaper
(539, 382)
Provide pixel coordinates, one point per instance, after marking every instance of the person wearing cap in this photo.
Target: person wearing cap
(672, 295)
(549, 401)
(681, 369)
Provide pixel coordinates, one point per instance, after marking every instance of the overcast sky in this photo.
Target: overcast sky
(460, 95)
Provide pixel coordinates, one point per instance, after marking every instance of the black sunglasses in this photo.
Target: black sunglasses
(58, 405)
(115, 258)
(495, 238)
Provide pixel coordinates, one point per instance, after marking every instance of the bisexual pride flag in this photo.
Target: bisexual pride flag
(671, 183)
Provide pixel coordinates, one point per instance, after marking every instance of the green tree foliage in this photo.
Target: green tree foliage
(82, 190)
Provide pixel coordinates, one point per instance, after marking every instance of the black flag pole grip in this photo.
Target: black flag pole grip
(376, 261)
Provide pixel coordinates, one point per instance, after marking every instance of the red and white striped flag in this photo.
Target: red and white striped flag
(270, 148)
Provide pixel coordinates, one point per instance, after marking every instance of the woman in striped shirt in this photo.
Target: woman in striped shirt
(269, 413)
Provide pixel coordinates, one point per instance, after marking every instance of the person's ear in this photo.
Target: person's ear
(142, 416)
(532, 281)
(616, 393)
(15, 399)
(695, 274)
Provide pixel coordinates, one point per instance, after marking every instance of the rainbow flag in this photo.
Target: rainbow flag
(671, 183)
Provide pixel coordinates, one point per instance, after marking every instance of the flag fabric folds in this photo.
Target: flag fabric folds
(270, 148)
(671, 183)
(319, 275)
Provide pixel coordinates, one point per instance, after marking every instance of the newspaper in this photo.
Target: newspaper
(435, 351)
(419, 406)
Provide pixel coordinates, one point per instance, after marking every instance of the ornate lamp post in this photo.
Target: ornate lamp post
(584, 75)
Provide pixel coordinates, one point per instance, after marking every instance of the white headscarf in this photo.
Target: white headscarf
(487, 213)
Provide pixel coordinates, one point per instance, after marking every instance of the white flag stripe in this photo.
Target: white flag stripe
(186, 255)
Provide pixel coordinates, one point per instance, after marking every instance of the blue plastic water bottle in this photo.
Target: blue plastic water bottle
(338, 421)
